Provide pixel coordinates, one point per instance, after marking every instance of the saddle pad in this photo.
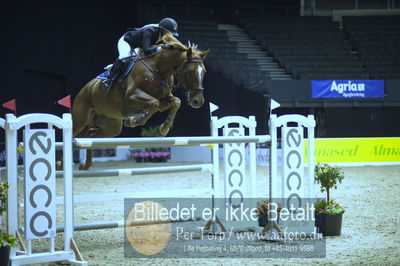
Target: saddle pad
(128, 68)
(104, 75)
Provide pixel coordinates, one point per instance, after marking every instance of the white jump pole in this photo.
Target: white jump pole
(68, 183)
(2, 125)
(105, 143)
(118, 224)
(142, 171)
(12, 180)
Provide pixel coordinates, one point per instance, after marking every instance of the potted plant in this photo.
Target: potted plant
(6, 241)
(262, 210)
(329, 213)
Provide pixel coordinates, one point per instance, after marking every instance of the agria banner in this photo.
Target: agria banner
(347, 88)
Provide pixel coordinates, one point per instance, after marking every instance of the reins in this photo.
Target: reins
(141, 59)
(164, 81)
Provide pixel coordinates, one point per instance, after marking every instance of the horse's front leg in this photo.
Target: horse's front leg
(141, 106)
(170, 102)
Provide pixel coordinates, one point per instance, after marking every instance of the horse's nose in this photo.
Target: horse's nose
(197, 103)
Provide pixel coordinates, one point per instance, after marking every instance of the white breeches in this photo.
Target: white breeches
(124, 49)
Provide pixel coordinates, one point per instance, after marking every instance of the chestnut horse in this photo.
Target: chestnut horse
(147, 89)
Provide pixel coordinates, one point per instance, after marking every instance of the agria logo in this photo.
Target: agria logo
(348, 88)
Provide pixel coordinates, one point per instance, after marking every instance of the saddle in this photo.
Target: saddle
(127, 68)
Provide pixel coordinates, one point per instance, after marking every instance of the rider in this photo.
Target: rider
(143, 38)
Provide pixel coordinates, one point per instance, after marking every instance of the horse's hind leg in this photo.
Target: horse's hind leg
(170, 102)
(89, 160)
(104, 127)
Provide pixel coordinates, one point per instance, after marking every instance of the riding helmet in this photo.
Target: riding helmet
(169, 25)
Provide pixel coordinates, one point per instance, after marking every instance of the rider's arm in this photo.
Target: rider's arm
(148, 36)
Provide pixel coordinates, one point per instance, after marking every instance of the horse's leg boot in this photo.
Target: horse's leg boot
(115, 72)
(136, 120)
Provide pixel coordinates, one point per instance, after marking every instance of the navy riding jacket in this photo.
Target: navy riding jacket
(143, 38)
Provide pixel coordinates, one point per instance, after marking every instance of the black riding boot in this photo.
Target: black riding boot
(116, 70)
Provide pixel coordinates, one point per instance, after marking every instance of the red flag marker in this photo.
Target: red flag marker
(66, 101)
(11, 105)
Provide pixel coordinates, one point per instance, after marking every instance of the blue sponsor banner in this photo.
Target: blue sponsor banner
(347, 88)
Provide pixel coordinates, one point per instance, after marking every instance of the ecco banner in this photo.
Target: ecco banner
(40, 183)
(347, 88)
(234, 168)
(293, 169)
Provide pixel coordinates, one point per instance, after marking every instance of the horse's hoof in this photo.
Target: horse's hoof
(84, 167)
(136, 120)
(140, 117)
(161, 132)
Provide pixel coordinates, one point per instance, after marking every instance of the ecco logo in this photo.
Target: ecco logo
(293, 164)
(234, 169)
(40, 183)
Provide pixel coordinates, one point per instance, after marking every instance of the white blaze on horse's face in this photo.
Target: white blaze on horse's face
(200, 71)
(194, 84)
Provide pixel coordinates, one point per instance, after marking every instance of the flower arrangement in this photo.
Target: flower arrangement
(328, 177)
(321, 206)
(263, 207)
(151, 155)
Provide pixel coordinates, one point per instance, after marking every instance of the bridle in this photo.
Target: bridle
(185, 74)
(176, 75)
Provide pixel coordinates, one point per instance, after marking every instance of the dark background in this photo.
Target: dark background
(50, 49)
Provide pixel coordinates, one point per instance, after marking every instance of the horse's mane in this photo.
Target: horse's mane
(176, 44)
(171, 40)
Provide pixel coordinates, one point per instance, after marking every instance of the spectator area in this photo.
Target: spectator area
(224, 57)
(377, 41)
(308, 47)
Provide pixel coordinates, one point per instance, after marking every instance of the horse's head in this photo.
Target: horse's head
(191, 74)
(190, 69)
